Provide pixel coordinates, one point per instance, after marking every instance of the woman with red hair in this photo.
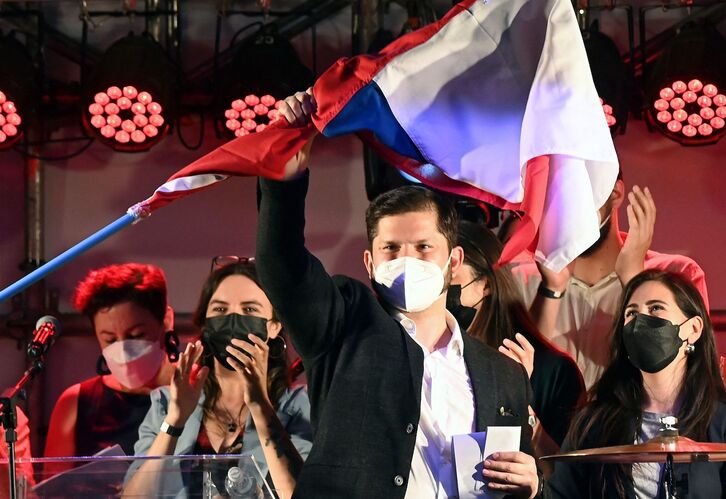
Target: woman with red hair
(133, 323)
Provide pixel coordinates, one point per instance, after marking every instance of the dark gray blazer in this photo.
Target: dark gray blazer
(364, 371)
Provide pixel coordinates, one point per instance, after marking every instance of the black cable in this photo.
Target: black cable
(80, 151)
(201, 134)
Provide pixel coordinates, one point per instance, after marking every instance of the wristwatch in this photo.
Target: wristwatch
(549, 293)
(174, 431)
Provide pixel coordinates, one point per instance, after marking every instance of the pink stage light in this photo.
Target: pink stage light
(707, 113)
(679, 87)
(695, 85)
(114, 120)
(125, 114)
(664, 116)
(253, 114)
(705, 129)
(674, 126)
(130, 92)
(710, 90)
(114, 92)
(122, 137)
(98, 121)
(151, 131)
(689, 96)
(667, 93)
(10, 119)
(689, 131)
(157, 120)
(695, 120)
(693, 112)
(13, 119)
(680, 115)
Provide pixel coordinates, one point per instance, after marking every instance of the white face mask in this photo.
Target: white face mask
(410, 284)
(606, 220)
(134, 362)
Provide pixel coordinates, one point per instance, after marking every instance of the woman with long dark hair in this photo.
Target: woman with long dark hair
(230, 393)
(663, 362)
(491, 310)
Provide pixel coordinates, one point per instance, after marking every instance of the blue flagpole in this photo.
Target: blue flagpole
(68, 255)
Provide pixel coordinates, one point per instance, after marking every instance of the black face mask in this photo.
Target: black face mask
(219, 331)
(651, 342)
(464, 315)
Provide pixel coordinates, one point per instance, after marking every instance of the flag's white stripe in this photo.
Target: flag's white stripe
(500, 84)
(190, 183)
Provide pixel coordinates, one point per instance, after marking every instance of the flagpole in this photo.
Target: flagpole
(127, 219)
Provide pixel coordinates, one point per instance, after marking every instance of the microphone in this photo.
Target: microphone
(47, 329)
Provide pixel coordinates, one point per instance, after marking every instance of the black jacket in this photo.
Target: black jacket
(364, 371)
(581, 480)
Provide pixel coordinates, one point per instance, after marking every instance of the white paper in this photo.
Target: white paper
(469, 452)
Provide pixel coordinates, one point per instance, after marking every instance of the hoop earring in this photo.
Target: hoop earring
(101, 366)
(171, 345)
(279, 348)
(690, 348)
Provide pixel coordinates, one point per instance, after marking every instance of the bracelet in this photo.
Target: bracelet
(541, 484)
(174, 431)
(549, 293)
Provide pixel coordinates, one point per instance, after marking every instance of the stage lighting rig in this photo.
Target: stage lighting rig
(610, 76)
(686, 90)
(19, 90)
(263, 71)
(130, 97)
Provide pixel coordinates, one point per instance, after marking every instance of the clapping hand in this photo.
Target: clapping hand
(249, 359)
(641, 220)
(186, 385)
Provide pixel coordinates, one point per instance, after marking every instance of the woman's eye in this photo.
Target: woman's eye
(656, 308)
(630, 313)
(250, 310)
(219, 309)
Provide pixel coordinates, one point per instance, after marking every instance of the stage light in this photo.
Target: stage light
(19, 91)
(130, 98)
(610, 76)
(686, 91)
(263, 71)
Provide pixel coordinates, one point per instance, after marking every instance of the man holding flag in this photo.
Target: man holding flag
(390, 381)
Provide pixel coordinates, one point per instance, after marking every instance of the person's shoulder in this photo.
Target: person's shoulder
(552, 357)
(352, 289)
(557, 367)
(294, 400)
(669, 261)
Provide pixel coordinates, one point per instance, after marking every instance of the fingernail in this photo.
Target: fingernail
(487, 463)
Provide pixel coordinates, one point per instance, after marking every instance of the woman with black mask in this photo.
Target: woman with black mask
(486, 302)
(663, 362)
(230, 393)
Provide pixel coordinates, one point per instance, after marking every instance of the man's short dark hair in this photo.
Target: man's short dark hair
(413, 198)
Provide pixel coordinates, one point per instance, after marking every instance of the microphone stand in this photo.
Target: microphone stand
(9, 417)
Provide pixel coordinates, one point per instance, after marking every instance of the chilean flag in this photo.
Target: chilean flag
(494, 102)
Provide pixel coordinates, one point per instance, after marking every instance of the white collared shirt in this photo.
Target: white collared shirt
(447, 409)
